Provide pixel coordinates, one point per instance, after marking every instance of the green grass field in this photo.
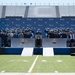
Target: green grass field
(17, 63)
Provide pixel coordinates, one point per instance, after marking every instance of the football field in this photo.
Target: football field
(37, 64)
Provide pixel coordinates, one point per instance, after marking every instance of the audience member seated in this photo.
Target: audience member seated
(68, 40)
(51, 34)
(9, 33)
(57, 32)
(72, 38)
(62, 33)
(38, 31)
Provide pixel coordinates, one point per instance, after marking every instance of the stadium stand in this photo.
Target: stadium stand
(36, 23)
(18, 27)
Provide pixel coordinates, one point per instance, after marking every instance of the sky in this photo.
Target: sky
(60, 2)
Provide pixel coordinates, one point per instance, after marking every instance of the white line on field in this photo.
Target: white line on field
(56, 71)
(43, 60)
(32, 66)
(3, 71)
(59, 60)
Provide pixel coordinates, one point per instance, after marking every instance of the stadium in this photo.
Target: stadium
(37, 37)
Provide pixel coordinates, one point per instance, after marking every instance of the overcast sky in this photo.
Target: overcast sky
(33, 1)
(38, 1)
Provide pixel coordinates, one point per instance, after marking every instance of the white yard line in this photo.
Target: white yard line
(43, 61)
(3, 71)
(37, 73)
(32, 66)
(56, 71)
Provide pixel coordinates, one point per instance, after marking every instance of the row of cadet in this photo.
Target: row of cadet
(7, 34)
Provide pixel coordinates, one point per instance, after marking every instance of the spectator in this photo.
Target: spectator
(72, 38)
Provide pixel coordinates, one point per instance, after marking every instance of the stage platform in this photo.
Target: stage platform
(59, 47)
(46, 42)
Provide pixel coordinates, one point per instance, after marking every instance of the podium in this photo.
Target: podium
(38, 40)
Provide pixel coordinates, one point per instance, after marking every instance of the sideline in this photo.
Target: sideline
(32, 66)
(37, 73)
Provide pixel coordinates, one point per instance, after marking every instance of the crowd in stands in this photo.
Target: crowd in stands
(7, 34)
(57, 32)
(68, 33)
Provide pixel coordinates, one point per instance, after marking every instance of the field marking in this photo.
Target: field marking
(32, 66)
(24, 60)
(3, 71)
(18, 60)
(43, 60)
(37, 73)
(31, 73)
(59, 60)
(56, 71)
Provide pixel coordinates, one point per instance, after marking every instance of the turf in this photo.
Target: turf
(17, 63)
(67, 64)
